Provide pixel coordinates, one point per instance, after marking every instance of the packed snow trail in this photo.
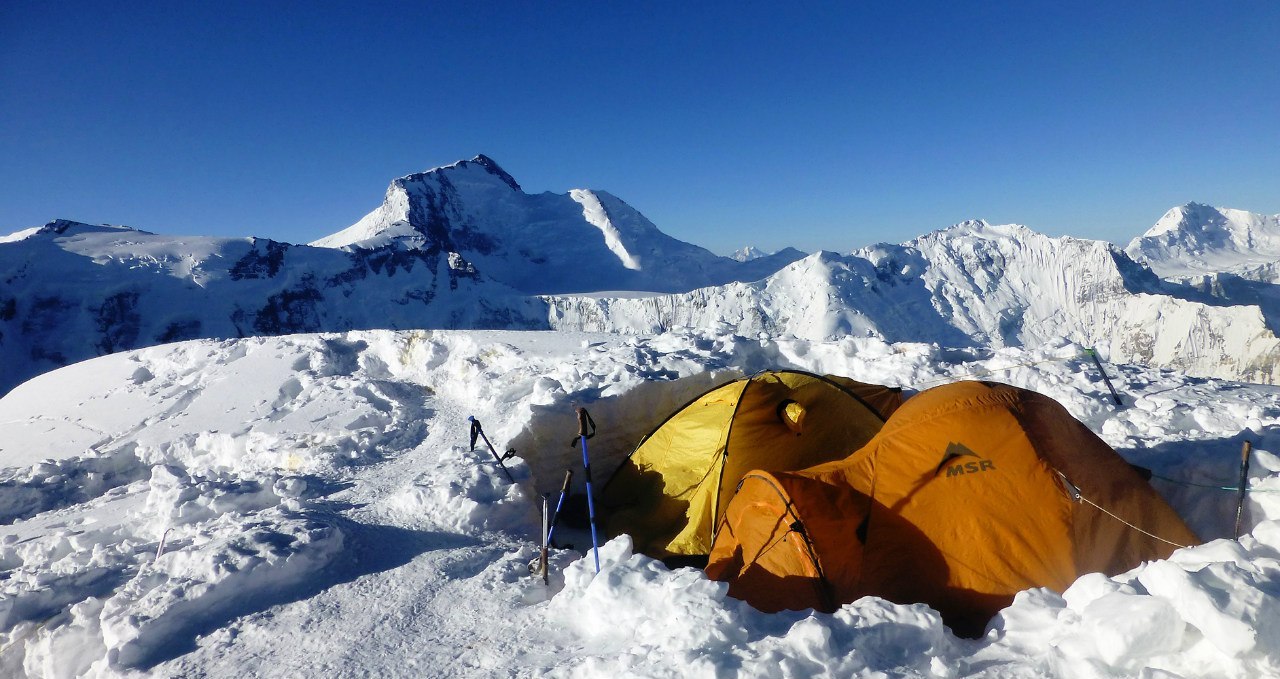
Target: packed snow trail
(326, 517)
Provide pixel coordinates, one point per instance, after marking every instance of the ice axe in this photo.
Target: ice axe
(478, 432)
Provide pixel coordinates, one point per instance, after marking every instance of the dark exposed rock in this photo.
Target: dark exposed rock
(118, 322)
(262, 261)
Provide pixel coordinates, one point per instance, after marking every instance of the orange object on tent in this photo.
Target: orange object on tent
(671, 491)
(970, 493)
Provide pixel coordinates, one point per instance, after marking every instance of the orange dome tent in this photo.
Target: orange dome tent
(970, 493)
(671, 491)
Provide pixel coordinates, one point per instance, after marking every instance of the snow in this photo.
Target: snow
(596, 215)
(322, 515)
(303, 501)
(547, 243)
(973, 284)
(1195, 239)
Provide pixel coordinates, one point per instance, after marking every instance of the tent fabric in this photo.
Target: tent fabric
(959, 502)
(671, 491)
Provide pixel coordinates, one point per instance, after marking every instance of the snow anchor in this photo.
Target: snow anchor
(584, 423)
(1244, 484)
(1094, 355)
(478, 432)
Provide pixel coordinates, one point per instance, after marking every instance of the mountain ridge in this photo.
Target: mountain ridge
(462, 246)
(547, 243)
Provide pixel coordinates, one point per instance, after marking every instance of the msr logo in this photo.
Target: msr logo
(956, 467)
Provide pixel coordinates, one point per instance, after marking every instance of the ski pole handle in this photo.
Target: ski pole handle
(586, 426)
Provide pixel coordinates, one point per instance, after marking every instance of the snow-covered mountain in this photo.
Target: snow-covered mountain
(72, 291)
(1230, 256)
(455, 247)
(974, 283)
(752, 253)
(462, 246)
(1196, 240)
(306, 505)
(581, 241)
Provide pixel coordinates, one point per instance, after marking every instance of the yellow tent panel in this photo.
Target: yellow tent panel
(670, 493)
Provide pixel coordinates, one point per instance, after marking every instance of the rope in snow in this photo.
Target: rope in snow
(1079, 497)
(1252, 489)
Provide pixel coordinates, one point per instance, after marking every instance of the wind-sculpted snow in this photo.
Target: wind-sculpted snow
(321, 514)
(972, 284)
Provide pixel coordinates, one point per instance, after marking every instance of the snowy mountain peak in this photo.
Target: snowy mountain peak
(67, 227)
(480, 165)
(748, 253)
(972, 225)
(64, 227)
(580, 241)
(1196, 239)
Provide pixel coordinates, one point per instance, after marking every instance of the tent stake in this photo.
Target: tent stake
(1244, 484)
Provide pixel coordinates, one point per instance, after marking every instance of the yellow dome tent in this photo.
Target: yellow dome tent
(670, 492)
(970, 493)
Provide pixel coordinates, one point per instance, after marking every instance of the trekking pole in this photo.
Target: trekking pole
(555, 516)
(584, 420)
(1244, 485)
(478, 431)
(1114, 396)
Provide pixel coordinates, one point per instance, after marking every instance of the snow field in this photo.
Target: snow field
(322, 514)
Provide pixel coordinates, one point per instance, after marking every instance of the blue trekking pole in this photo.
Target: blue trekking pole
(584, 420)
(555, 516)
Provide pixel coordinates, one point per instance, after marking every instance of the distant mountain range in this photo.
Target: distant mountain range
(973, 284)
(462, 246)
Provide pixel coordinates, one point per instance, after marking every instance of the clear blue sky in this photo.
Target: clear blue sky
(829, 125)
